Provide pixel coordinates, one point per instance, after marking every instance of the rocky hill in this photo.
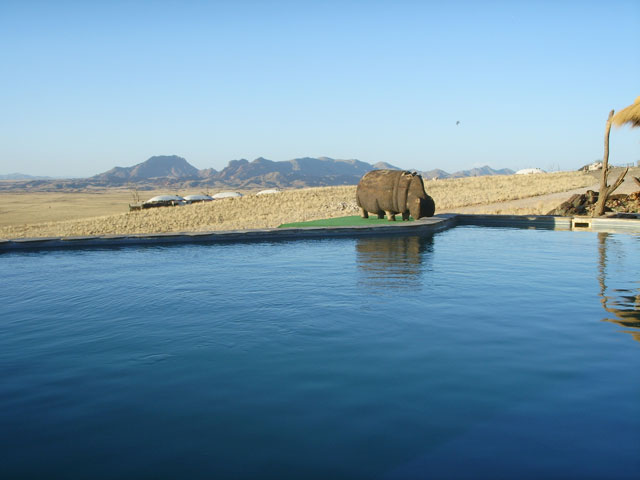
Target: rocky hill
(384, 166)
(435, 173)
(159, 167)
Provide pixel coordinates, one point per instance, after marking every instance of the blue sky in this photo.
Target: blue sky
(86, 86)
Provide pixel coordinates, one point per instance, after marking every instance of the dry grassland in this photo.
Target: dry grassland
(23, 207)
(449, 195)
(250, 211)
(39, 207)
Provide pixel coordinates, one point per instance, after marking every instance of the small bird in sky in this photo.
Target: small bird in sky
(457, 122)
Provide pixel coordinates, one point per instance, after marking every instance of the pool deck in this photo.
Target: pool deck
(423, 226)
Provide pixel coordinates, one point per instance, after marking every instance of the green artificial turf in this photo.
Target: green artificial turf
(352, 221)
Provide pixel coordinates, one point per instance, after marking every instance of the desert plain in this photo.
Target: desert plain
(25, 214)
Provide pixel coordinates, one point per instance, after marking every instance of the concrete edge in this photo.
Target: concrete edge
(420, 227)
(516, 221)
(550, 222)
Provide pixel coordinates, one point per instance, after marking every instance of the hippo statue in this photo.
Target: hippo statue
(390, 192)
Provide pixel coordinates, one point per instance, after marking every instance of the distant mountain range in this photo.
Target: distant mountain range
(22, 176)
(175, 172)
(261, 172)
(474, 172)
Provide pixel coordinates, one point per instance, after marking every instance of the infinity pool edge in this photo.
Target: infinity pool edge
(419, 227)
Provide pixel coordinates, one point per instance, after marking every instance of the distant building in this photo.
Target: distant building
(594, 166)
(529, 171)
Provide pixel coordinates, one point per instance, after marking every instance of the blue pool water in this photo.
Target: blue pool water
(475, 353)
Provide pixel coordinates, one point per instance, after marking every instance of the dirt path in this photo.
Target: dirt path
(542, 204)
(533, 205)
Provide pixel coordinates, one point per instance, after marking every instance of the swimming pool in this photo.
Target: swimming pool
(471, 353)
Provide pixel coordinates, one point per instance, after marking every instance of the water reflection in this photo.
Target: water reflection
(393, 262)
(624, 304)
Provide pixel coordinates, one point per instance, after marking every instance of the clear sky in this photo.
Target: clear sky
(86, 86)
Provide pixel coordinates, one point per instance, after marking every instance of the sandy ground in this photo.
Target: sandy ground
(537, 205)
(54, 214)
(541, 204)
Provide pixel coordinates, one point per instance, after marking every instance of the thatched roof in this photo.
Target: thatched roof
(631, 115)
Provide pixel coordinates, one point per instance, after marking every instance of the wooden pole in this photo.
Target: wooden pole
(606, 190)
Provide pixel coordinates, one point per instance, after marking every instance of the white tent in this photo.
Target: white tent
(164, 201)
(198, 198)
(165, 198)
(268, 192)
(217, 196)
(529, 171)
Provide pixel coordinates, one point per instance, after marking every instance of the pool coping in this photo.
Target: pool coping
(419, 227)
